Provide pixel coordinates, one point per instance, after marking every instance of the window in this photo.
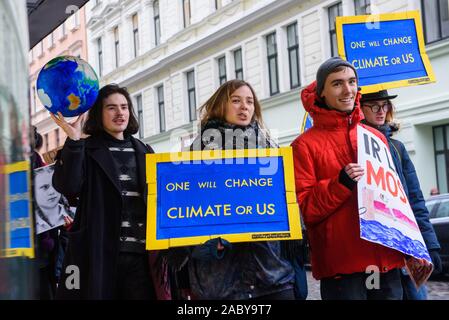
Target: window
(272, 63)
(442, 210)
(63, 31)
(436, 19)
(33, 98)
(333, 12)
(161, 108)
(139, 114)
(57, 137)
(293, 55)
(157, 23)
(238, 65)
(51, 40)
(191, 94)
(100, 57)
(116, 47)
(362, 7)
(40, 51)
(218, 4)
(76, 18)
(441, 145)
(186, 12)
(46, 142)
(222, 70)
(136, 35)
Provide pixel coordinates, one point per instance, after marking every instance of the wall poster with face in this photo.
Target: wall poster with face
(51, 207)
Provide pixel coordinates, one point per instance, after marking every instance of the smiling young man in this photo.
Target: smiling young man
(106, 171)
(326, 175)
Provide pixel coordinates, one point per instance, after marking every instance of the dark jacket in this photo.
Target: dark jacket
(85, 169)
(407, 173)
(249, 269)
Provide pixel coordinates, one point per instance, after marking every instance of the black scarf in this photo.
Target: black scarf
(219, 135)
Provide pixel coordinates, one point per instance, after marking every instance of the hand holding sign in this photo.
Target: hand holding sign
(419, 270)
(354, 171)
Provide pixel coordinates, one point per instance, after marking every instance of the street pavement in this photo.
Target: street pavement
(437, 289)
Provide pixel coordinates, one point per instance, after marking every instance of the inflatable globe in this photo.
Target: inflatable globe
(68, 85)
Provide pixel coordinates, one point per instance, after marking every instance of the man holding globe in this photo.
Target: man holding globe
(106, 172)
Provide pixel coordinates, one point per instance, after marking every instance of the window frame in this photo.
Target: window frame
(186, 14)
(117, 46)
(290, 49)
(222, 77)
(440, 36)
(135, 23)
(272, 57)
(100, 56)
(445, 152)
(363, 8)
(191, 90)
(139, 113)
(332, 26)
(238, 70)
(161, 108)
(157, 23)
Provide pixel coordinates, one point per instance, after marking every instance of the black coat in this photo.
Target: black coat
(85, 169)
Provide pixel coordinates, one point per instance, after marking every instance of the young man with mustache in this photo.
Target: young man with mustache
(106, 172)
(326, 175)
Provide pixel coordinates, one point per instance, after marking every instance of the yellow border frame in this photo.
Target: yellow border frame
(407, 15)
(16, 252)
(292, 207)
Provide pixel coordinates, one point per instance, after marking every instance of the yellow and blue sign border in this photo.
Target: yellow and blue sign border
(294, 232)
(408, 15)
(9, 249)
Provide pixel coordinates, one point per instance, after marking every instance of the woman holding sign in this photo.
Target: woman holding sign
(379, 113)
(231, 119)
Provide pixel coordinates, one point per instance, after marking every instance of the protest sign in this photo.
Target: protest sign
(385, 214)
(18, 221)
(51, 206)
(388, 50)
(240, 195)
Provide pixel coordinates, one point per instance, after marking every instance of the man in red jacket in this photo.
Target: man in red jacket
(326, 175)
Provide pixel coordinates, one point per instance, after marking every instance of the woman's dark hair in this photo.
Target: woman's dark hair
(38, 140)
(94, 123)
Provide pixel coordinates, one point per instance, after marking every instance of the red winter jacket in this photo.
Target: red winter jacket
(328, 207)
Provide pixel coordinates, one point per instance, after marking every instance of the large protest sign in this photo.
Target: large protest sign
(385, 214)
(51, 206)
(240, 195)
(388, 50)
(19, 229)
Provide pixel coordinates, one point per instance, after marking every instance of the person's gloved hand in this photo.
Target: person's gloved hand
(436, 260)
(211, 249)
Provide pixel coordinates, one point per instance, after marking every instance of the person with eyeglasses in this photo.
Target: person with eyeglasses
(379, 114)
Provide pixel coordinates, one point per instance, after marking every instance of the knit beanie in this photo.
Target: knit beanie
(328, 67)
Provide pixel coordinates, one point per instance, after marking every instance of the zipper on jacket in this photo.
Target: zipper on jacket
(348, 138)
